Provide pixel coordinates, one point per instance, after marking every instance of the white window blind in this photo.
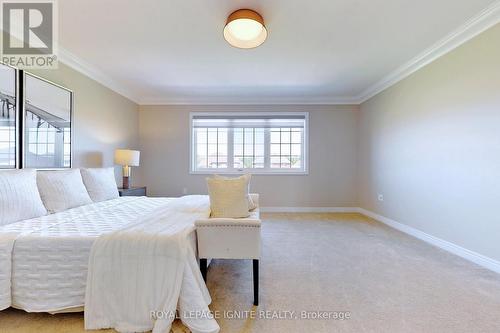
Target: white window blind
(249, 142)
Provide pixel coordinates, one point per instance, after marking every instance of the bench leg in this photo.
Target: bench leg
(203, 269)
(255, 282)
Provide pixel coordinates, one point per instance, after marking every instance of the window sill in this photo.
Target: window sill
(252, 172)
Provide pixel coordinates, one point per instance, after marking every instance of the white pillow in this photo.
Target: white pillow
(19, 196)
(62, 189)
(100, 183)
(228, 196)
(247, 177)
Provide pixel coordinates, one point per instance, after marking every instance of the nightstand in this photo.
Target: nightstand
(132, 192)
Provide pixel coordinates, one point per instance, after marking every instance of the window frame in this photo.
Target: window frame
(267, 146)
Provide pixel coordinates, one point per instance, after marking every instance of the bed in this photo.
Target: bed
(50, 254)
(69, 243)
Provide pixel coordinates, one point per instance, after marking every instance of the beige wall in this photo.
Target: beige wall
(431, 146)
(164, 138)
(103, 120)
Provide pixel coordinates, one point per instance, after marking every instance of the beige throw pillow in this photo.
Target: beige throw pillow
(247, 177)
(228, 196)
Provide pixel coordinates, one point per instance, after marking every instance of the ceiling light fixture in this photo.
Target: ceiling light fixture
(245, 29)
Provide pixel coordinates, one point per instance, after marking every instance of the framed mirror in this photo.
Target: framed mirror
(9, 118)
(47, 125)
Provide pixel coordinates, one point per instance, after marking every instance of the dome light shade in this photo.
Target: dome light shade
(245, 29)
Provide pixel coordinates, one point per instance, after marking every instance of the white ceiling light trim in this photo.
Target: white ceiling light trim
(473, 27)
(245, 29)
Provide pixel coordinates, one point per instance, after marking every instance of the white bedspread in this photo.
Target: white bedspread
(148, 267)
(43, 261)
(6, 244)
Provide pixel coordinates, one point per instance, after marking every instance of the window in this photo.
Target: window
(254, 142)
(211, 148)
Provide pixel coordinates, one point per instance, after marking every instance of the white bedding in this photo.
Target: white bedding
(149, 266)
(50, 253)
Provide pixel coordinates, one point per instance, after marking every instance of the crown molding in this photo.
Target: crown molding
(94, 73)
(473, 27)
(250, 100)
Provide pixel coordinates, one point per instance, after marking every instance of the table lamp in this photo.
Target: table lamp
(127, 158)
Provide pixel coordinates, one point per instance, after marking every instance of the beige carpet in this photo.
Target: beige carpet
(387, 281)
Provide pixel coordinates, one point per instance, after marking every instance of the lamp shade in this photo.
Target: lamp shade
(127, 157)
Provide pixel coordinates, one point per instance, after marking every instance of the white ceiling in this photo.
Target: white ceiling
(173, 51)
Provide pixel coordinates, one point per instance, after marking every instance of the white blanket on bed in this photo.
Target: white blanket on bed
(138, 276)
(6, 244)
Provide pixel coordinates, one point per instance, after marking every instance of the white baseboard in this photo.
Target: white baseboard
(309, 209)
(475, 257)
(469, 255)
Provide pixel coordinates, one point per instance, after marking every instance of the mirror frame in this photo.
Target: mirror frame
(22, 75)
(18, 99)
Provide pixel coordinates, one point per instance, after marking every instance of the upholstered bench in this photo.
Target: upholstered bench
(227, 238)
